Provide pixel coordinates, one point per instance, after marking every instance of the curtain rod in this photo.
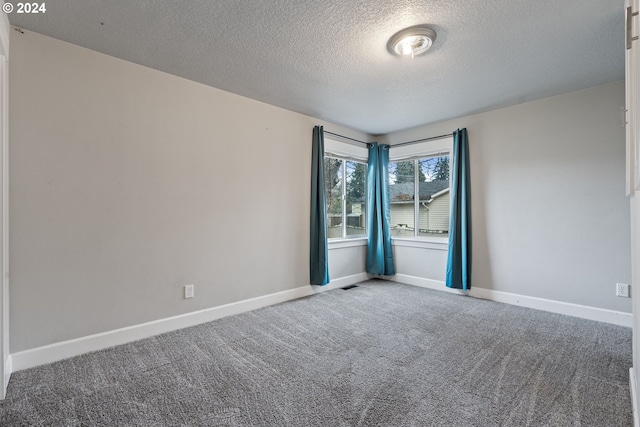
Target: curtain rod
(346, 137)
(415, 141)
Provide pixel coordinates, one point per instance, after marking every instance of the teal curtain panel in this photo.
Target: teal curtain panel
(319, 250)
(379, 250)
(459, 257)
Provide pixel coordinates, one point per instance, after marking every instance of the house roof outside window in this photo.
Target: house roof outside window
(403, 192)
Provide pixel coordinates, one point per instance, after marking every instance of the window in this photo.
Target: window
(419, 195)
(346, 197)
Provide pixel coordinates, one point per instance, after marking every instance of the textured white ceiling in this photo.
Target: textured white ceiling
(328, 59)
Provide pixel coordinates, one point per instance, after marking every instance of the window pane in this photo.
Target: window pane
(402, 189)
(333, 178)
(434, 196)
(356, 196)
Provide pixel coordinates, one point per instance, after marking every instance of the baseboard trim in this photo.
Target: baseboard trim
(62, 350)
(340, 282)
(436, 285)
(7, 376)
(583, 311)
(634, 396)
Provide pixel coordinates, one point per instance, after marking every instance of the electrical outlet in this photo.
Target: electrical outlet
(188, 291)
(622, 290)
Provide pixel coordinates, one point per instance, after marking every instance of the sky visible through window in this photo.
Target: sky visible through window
(431, 169)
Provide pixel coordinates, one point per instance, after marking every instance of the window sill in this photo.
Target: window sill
(438, 243)
(347, 243)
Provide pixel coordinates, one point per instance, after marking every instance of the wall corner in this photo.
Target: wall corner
(5, 26)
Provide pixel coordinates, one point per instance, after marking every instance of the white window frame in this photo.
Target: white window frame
(436, 148)
(347, 152)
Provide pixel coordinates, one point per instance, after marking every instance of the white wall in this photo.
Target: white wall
(421, 260)
(565, 153)
(5, 360)
(635, 295)
(122, 179)
(346, 261)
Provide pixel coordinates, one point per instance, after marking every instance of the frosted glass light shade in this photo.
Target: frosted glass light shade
(412, 41)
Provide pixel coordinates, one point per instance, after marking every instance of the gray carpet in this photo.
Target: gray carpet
(381, 354)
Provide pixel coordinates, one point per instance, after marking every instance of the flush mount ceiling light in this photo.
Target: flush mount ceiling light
(412, 41)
